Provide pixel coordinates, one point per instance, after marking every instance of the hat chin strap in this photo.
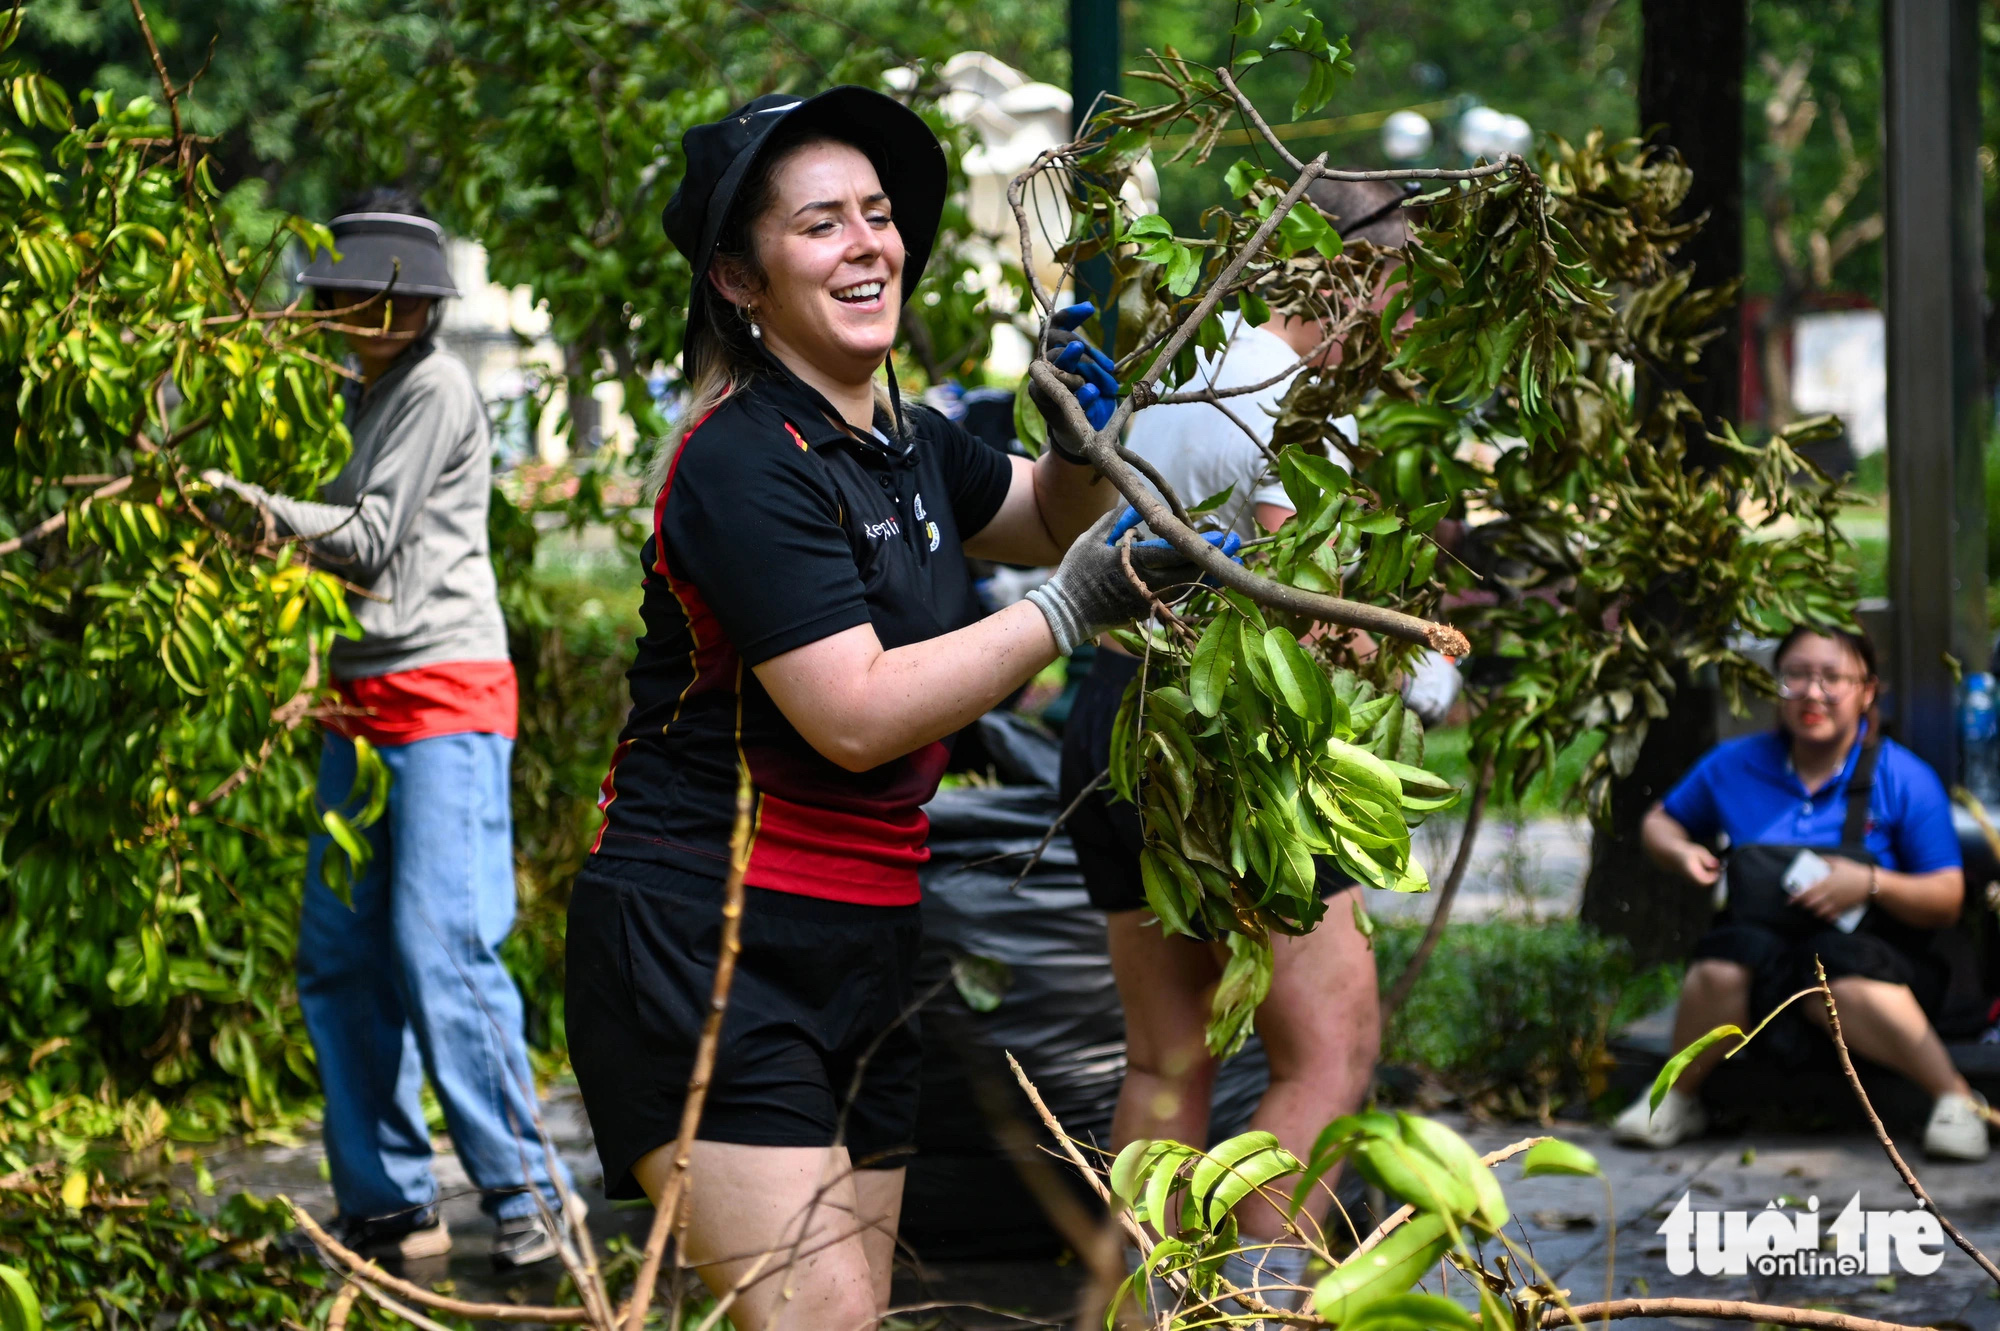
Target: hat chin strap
(888, 366)
(895, 394)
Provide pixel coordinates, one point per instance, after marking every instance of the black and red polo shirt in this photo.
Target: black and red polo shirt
(777, 527)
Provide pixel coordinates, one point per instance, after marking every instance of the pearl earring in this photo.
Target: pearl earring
(750, 315)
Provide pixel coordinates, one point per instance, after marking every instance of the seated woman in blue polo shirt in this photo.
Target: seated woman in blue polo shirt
(1871, 924)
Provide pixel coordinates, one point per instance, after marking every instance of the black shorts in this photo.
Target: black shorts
(1781, 965)
(1106, 830)
(819, 1041)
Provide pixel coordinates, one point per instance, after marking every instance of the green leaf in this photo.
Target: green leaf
(1242, 177)
(1235, 1168)
(1163, 892)
(1208, 678)
(1452, 1151)
(1128, 1171)
(981, 981)
(1678, 1063)
(1029, 427)
(1251, 20)
(20, 1309)
(1411, 1312)
(1411, 1174)
(1162, 1180)
(1385, 1271)
(1289, 665)
(1213, 502)
(1558, 1157)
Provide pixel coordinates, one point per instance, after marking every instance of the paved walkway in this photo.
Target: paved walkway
(1560, 1219)
(1519, 867)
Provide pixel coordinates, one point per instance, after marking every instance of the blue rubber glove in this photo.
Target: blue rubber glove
(1090, 592)
(1159, 548)
(1097, 395)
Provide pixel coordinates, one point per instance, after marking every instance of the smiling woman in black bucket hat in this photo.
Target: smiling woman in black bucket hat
(809, 616)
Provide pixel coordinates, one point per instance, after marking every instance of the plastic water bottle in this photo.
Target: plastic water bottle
(1979, 739)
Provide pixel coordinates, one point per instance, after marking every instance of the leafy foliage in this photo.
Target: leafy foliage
(1457, 1205)
(571, 640)
(162, 650)
(91, 1254)
(1620, 565)
(1513, 1016)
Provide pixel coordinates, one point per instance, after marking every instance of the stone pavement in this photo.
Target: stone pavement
(1519, 867)
(1562, 1221)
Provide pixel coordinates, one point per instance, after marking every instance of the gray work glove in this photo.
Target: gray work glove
(235, 520)
(254, 495)
(1090, 593)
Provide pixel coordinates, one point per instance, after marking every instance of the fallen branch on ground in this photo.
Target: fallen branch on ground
(1722, 1310)
(1910, 1180)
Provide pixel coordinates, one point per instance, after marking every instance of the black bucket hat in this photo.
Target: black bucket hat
(381, 250)
(720, 155)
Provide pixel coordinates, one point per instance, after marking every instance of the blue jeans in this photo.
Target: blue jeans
(409, 984)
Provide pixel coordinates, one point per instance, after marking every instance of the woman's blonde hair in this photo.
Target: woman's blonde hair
(729, 357)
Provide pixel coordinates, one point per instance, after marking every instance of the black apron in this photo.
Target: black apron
(1757, 871)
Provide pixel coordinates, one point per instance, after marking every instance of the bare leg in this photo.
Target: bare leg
(1715, 993)
(1884, 1023)
(880, 1193)
(1321, 1029)
(1164, 984)
(751, 1200)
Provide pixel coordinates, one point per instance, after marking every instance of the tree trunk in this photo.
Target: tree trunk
(1774, 329)
(1626, 895)
(1691, 98)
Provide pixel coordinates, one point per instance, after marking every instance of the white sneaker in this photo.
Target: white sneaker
(1957, 1130)
(1679, 1117)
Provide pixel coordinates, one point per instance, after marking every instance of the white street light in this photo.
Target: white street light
(1406, 136)
(1485, 132)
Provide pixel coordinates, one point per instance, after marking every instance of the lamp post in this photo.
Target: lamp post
(1094, 57)
(1934, 288)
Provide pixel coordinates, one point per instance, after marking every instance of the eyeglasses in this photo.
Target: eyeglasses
(1798, 681)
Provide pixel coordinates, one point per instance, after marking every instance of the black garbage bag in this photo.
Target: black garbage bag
(1059, 1015)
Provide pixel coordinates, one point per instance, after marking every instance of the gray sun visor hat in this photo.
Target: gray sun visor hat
(397, 252)
(906, 154)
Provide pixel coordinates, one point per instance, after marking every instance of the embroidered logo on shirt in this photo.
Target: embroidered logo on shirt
(930, 528)
(881, 531)
(797, 438)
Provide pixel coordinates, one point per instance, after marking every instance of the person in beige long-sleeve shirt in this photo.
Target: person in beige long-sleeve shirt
(407, 982)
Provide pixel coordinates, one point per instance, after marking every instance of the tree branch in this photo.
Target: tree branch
(351, 1265)
(1723, 1310)
(1016, 188)
(1407, 981)
(1249, 109)
(1882, 1135)
(57, 521)
(704, 1061)
(1226, 571)
(1312, 171)
(160, 68)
